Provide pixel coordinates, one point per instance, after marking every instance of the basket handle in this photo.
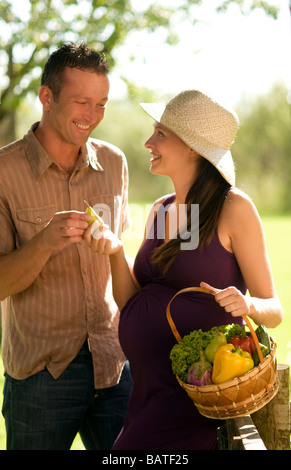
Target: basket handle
(208, 291)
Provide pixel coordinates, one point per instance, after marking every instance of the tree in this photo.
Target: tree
(31, 29)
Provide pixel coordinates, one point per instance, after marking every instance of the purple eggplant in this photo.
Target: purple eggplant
(200, 372)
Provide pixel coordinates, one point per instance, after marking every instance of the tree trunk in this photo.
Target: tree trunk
(273, 421)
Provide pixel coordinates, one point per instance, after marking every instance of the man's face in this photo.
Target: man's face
(79, 107)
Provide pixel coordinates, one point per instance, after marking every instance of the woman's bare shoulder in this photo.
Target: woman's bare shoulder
(240, 210)
(237, 200)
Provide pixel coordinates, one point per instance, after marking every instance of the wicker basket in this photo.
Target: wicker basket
(237, 397)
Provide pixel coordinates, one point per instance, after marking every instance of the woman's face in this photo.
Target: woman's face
(170, 155)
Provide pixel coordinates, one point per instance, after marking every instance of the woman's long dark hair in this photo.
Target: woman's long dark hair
(209, 191)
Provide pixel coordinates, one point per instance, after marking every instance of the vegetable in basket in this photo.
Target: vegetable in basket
(200, 372)
(230, 362)
(263, 337)
(186, 352)
(215, 343)
(265, 352)
(246, 343)
(264, 341)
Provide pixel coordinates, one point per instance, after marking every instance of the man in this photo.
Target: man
(65, 371)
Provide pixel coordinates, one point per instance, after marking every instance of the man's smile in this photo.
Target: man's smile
(83, 127)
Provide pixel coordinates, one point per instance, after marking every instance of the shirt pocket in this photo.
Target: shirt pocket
(108, 207)
(30, 221)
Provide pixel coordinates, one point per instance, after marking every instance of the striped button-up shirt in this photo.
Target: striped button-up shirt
(71, 299)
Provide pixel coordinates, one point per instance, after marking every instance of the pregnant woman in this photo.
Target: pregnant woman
(225, 252)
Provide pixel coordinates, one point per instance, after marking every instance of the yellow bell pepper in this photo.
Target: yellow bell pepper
(230, 362)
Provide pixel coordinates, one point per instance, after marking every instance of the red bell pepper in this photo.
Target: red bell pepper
(246, 343)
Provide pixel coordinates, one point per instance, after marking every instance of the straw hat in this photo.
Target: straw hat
(206, 126)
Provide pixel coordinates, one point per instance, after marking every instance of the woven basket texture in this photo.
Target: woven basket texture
(240, 396)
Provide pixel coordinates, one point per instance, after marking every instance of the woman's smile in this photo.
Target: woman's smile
(155, 158)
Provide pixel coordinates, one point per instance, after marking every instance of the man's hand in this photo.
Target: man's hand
(65, 228)
(20, 268)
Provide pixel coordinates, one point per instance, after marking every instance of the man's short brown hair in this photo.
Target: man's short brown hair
(72, 55)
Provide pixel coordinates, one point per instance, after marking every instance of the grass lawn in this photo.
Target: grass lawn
(278, 236)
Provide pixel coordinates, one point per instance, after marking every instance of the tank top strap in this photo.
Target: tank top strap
(169, 199)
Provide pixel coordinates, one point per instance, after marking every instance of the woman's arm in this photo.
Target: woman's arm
(124, 284)
(241, 221)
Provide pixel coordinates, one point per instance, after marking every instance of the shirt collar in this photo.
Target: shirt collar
(40, 160)
(91, 155)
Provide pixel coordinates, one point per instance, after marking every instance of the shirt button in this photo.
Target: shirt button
(89, 298)
(38, 219)
(85, 270)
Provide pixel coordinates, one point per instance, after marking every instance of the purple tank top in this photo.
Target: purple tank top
(160, 413)
(214, 265)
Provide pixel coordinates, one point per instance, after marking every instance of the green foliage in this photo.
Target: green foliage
(247, 7)
(28, 34)
(262, 150)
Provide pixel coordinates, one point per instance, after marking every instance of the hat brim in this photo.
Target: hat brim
(222, 160)
(225, 166)
(154, 110)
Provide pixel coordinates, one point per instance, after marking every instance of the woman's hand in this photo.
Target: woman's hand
(231, 299)
(102, 240)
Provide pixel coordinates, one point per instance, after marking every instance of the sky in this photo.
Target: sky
(228, 55)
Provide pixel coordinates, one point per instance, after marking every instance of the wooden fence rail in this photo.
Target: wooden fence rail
(266, 429)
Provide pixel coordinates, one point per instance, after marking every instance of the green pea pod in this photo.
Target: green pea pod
(265, 351)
